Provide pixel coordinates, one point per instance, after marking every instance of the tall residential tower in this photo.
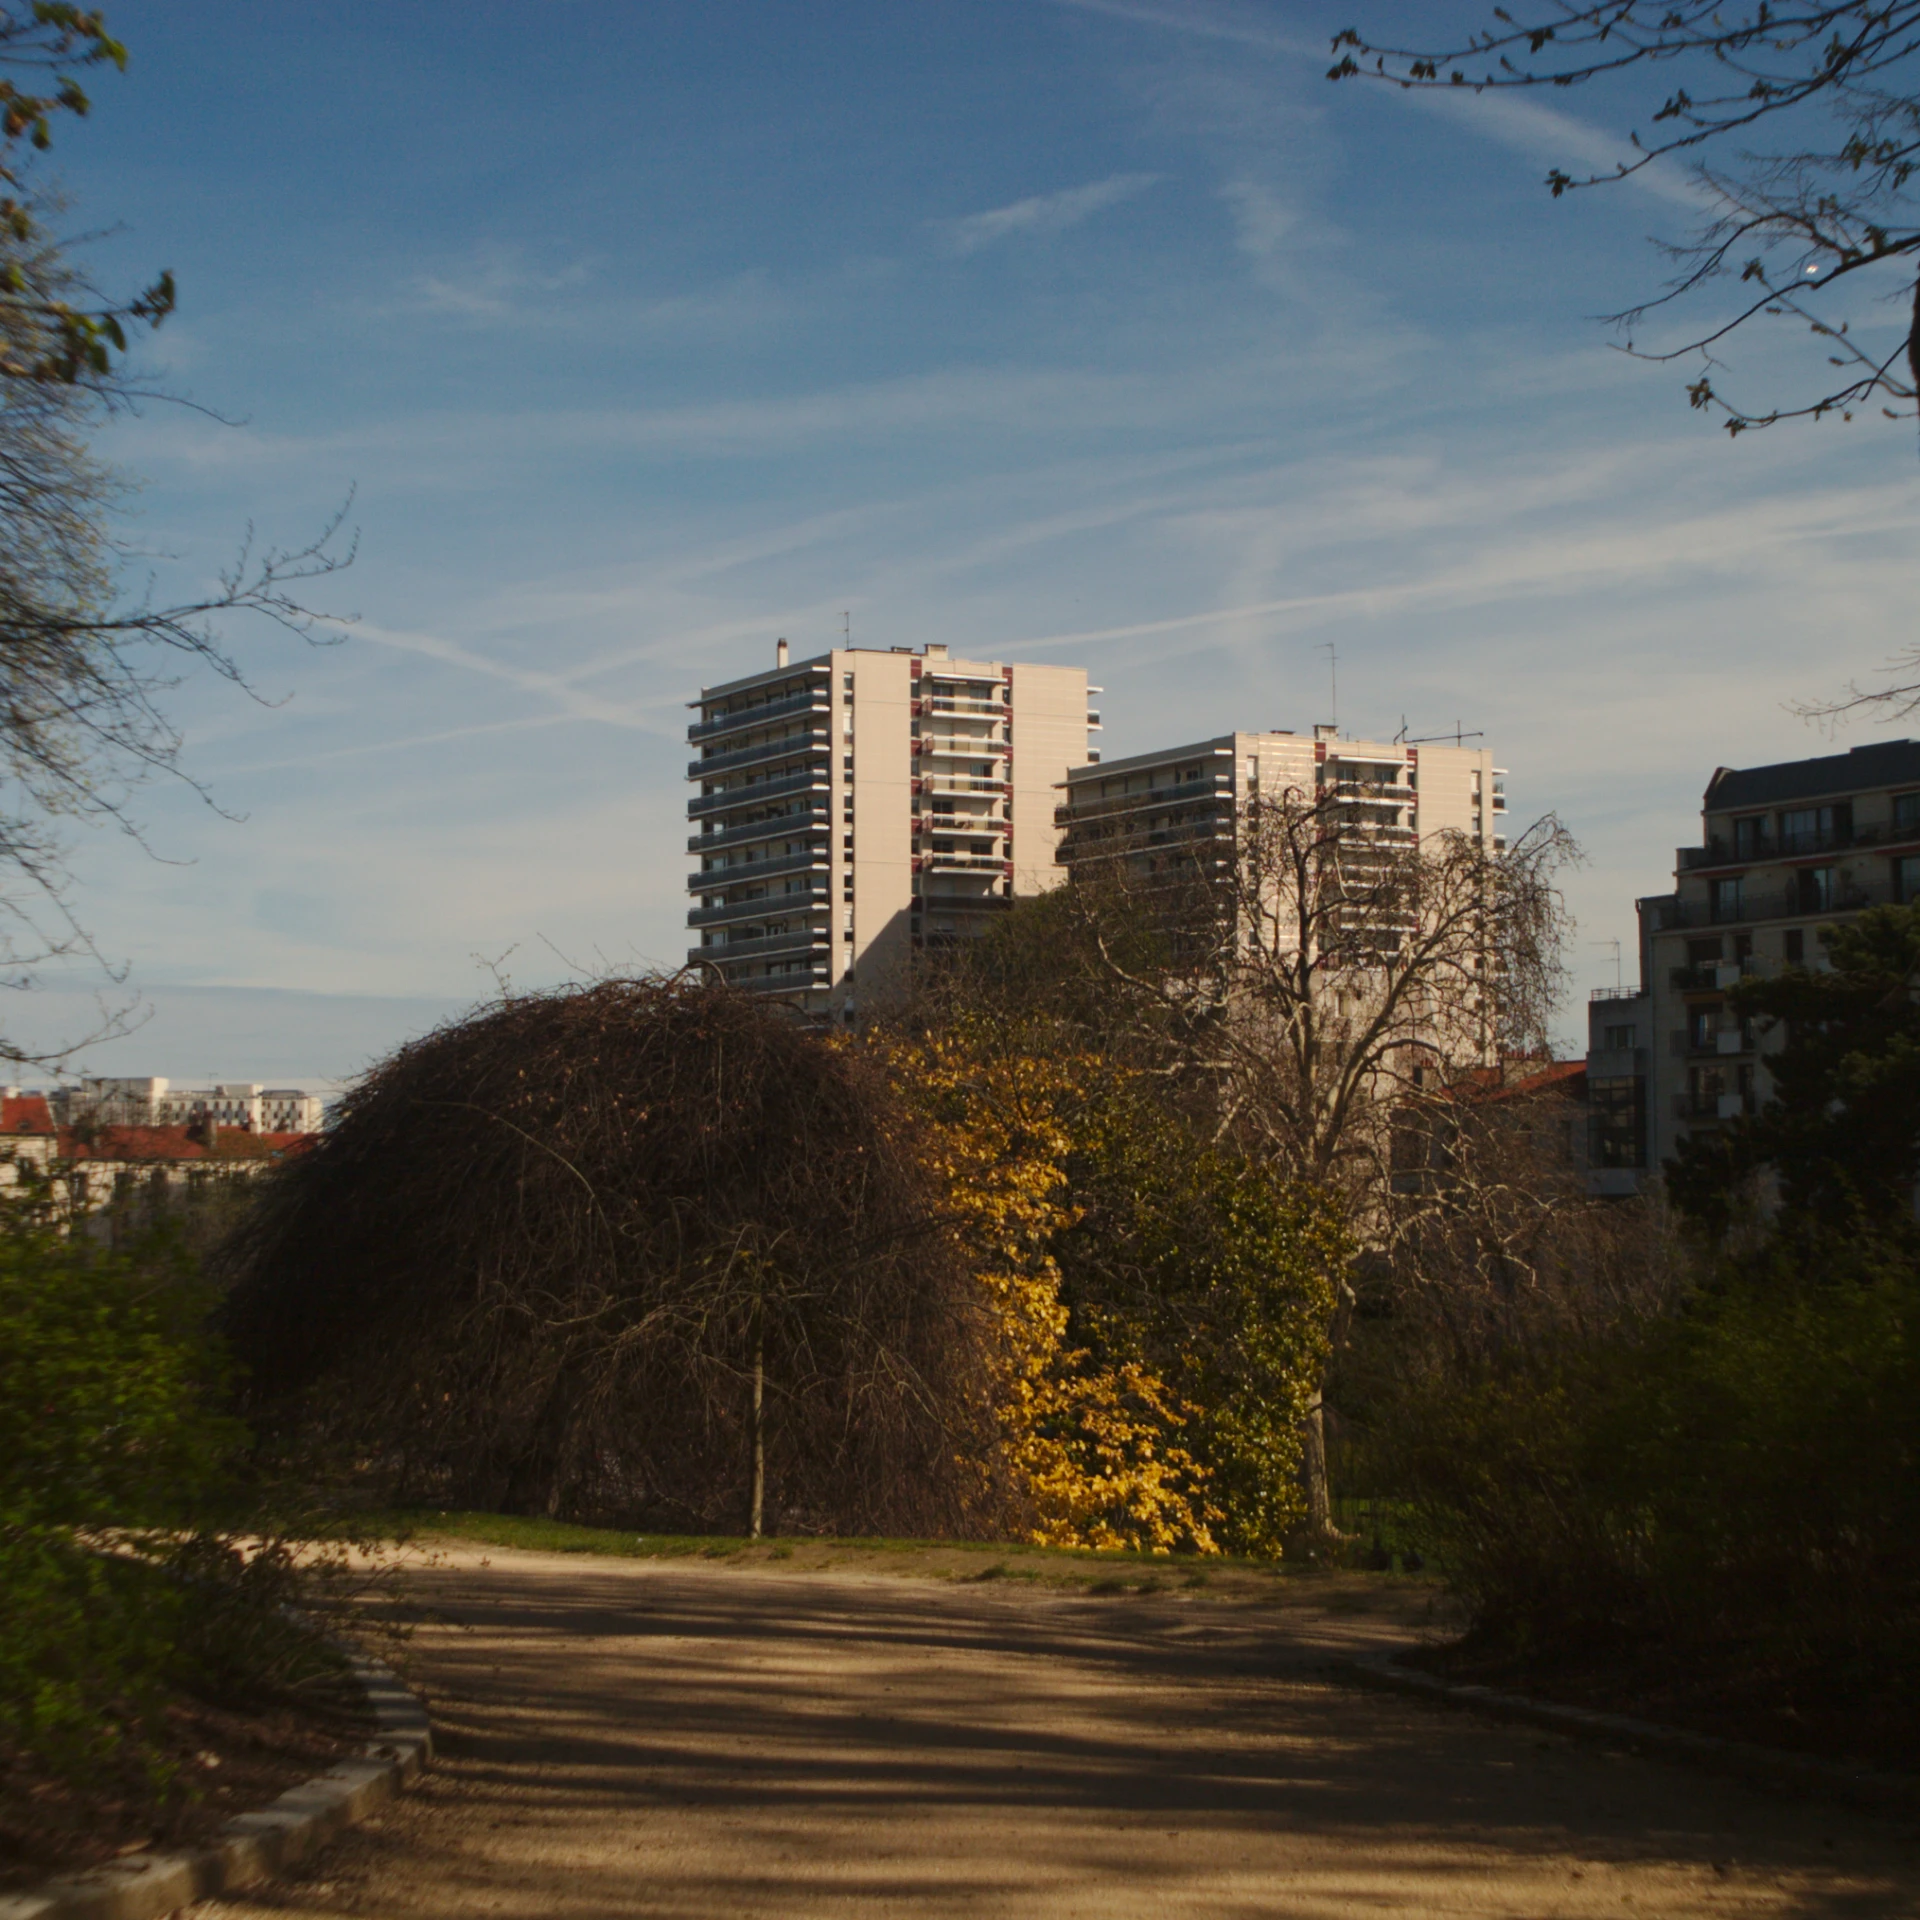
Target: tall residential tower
(860, 804)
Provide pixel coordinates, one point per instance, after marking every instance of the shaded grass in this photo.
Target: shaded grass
(1097, 1571)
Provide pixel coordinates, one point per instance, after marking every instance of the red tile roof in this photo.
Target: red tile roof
(25, 1113)
(156, 1144)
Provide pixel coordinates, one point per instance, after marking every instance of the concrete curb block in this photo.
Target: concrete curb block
(252, 1847)
(1760, 1766)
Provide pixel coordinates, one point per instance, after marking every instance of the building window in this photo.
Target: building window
(1705, 1085)
(1906, 812)
(1726, 898)
(1703, 953)
(1750, 837)
(1617, 1124)
(1906, 878)
(1703, 1029)
(1819, 888)
(1621, 1039)
(1793, 947)
(1814, 829)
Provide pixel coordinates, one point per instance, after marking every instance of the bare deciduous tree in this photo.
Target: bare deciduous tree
(1318, 976)
(1325, 973)
(1833, 207)
(85, 664)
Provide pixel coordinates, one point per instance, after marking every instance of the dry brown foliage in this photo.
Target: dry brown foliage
(532, 1264)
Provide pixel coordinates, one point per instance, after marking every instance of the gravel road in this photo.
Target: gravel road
(686, 1739)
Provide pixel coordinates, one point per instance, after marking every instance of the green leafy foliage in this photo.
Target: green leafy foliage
(52, 328)
(1842, 1133)
(1730, 1494)
(1201, 1264)
(109, 1444)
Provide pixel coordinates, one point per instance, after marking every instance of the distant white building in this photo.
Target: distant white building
(156, 1102)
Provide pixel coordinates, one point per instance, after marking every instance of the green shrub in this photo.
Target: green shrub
(111, 1447)
(1731, 1489)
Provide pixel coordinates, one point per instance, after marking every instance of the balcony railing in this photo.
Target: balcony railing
(946, 703)
(809, 982)
(790, 748)
(1614, 993)
(963, 862)
(1714, 1106)
(816, 699)
(1213, 786)
(781, 826)
(959, 783)
(768, 906)
(754, 792)
(714, 879)
(766, 946)
(1719, 852)
(1772, 904)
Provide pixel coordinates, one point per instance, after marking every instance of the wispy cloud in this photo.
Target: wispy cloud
(1205, 23)
(1043, 214)
(494, 285)
(1560, 139)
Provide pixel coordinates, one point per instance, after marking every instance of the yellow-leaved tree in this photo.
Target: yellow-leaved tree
(1094, 1451)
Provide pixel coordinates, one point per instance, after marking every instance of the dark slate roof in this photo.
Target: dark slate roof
(1887, 763)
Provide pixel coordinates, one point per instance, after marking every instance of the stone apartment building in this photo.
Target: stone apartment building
(1784, 851)
(1178, 795)
(860, 804)
(157, 1102)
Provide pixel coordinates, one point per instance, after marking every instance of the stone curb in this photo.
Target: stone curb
(252, 1846)
(1758, 1765)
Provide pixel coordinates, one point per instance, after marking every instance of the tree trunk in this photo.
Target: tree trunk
(1313, 1469)
(757, 1511)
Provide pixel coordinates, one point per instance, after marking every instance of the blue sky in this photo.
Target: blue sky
(1101, 333)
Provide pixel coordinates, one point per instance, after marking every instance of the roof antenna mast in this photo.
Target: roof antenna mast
(1333, 676)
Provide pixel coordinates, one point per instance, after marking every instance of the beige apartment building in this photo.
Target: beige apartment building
(862, 804)
(1784, 851)
(1405, 790)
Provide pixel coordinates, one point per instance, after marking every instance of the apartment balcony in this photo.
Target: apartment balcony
(1093, 723)
(791, 748)
(1698, 1107)
(817, 699)
(756, 792)
(781, 827)
(1771, 904)
(811, 982)
(1213, 786)
(767, 906)
(959, 747)
(1717, 1044)
(1795, 846)
(1716, 976)
(957, 783)
(713, 879)
(1614, 993)
(949, 703)
(769, 946)
(993, 863)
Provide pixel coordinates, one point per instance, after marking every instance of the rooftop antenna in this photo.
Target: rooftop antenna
(1400, 738)
(846, 629)
(1619, 985)
(1333, 676)
(1457, 736)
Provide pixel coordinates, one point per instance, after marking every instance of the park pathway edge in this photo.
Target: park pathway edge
(1773, 1767)
(255, 1846)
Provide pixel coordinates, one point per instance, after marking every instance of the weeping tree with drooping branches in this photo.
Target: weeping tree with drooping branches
(644, 1250)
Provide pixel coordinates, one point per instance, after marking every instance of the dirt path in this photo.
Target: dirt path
(641, 1738)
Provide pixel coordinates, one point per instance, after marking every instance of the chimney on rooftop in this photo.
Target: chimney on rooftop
(779, 653)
